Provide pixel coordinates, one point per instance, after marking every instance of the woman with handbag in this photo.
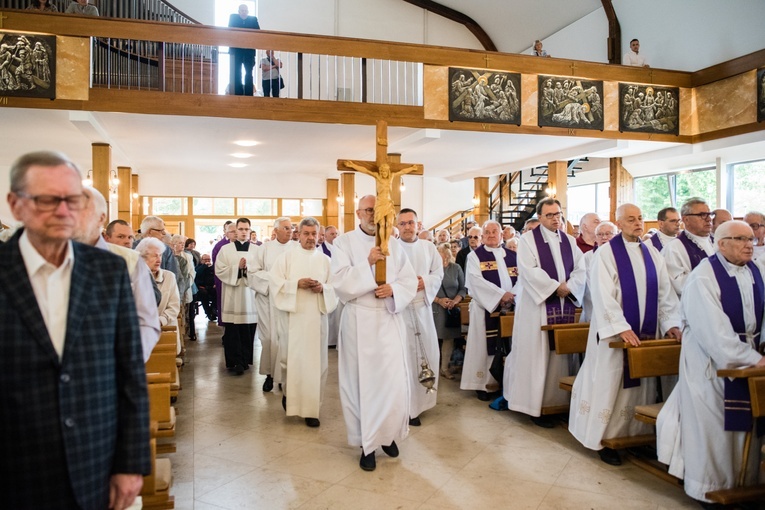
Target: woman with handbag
(272, 81)
(446, 310)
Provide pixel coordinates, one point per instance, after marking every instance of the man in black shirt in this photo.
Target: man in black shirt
(242, 57)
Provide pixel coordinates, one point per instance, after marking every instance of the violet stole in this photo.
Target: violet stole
(492, 275)
(656, 242)
(630, 304)
(326, 250)
(738, 401)
(556, 314)
(695, 254)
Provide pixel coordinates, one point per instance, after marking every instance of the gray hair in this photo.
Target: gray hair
(99, 202)
(604, 224)
(48, 159)
(686, 208)
(756, 213)
(148, 244)
(491, 222)
(149, 222)
(281, 219)
(724, 230)
(175, 238)
(308, 222)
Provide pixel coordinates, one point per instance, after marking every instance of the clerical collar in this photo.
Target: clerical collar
(245, 246)
(550, 234)
(364, 232)
(730, 267)
(693, 236)
(496, 248)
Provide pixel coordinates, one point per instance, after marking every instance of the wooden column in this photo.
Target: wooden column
(137, 213)
(124, 195)
(331, 209)
(481, 194)
(621, 190)
(557, 180)
(349, 206)
(102, 164)
(395, 192)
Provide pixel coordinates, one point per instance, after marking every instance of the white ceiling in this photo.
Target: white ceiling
(157, 143)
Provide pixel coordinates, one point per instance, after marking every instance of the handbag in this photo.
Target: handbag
(281, 82)
(502, 349)
(453, 315)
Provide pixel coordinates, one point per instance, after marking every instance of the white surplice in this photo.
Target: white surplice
(678, 262)
(485, 296)
(372, 359)
(601, 408)
(427, 263)
(705, 455)
(532, 370)
(587, 299)
(303, 350)
(237, 298)
(265, 256)
(334, 317)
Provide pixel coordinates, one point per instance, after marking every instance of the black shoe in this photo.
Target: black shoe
(246, 366)
(284, 402)
(269, 384)
(610, 456)
(193, 338)
(367, 462)
(543, 421)
(482, 395)
(280, 386)
(415, 422)
(238, 369)
(312, 422)
(391, 450)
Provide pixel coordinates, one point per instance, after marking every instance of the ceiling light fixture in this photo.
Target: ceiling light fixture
(237, 165)
(246, 143)
(242, 155)
(88, 180)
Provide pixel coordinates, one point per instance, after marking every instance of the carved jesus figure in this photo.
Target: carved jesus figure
(385, 213)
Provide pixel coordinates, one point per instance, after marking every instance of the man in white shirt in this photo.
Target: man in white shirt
(668, 220)
(633, 57)
(692, 245)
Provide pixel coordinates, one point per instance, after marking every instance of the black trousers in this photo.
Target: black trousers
(242, 58)
(238, 340)
(271, 88)
(207, 297)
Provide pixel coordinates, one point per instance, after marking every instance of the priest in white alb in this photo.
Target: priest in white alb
(303, 298)
(233, 267)
(491, 276)
(722, 305)
(604, 232)
(552, 275)
(422, 339)
(693, 245)
(632, 300)
(372, 352)
(268, 331)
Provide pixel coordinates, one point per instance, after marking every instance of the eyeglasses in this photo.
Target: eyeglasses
(473, 237)
(47, 203)
(409, 223)
(368, 210)
(755, 226)
(740, 239)
(553, 215)
(158, 229)
(604, 235)
(705, 216)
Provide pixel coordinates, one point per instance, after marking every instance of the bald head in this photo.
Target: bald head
(587, 225)
(92, 218)
(629, 218)
(734, 240)
(721, 216)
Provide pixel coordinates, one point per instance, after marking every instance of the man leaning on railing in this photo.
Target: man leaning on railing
(82, 7)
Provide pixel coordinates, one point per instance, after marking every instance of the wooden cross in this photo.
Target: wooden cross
(2, 17)
(573, 68)
(385, 173)
(486, 59)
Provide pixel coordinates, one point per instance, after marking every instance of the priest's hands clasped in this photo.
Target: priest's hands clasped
(562, 290)
(507, 299)
(243, 263)
(310, 284)
(384, 291)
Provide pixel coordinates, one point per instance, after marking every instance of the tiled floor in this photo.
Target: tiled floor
(236, 449)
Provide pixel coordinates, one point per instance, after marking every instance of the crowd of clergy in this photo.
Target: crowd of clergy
(697, 278)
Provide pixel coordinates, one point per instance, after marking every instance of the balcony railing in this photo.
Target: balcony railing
(148, 10)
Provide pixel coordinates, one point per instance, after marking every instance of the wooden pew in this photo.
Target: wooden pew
(161, 411)
(568, 339)
(652, 358)
(155, 492)
(741, 494)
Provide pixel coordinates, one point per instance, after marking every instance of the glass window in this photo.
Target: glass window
(313, 207)
(223, 206)
(580, 201)
(652, 194)
(603, 201)
(698, 183)
(748, 183)
(290, 207)
(169, 206)
(257, 207)
(202, 206)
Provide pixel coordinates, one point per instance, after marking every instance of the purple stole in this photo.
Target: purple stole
(555, 313)
(630, 303)
(490, 272)
(656, 242)
(695, 254)
(326, 250)
(738, 402)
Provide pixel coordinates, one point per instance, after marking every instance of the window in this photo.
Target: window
(290, 207)
(586, 199)
(699, 183)
(748, 183)
(213, 206)
(257, 207)
(313, 207)
(652, 195)
(169, 206)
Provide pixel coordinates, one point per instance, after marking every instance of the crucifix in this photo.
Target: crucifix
(385, 174)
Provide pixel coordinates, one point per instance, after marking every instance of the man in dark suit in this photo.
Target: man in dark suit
(242, 57)
(74, 426)
(474, 241)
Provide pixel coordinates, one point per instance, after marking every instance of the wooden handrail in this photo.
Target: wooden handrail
(741, 373)
(574, 325)
(659, 342)
(459, 214)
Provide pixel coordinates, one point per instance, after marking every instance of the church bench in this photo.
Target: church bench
(161, 411)
(465, 310)
(155, 493)
(741, 494)
(567, 339)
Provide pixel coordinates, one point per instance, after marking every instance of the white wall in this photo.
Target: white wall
(585, 39)
(201, 10)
